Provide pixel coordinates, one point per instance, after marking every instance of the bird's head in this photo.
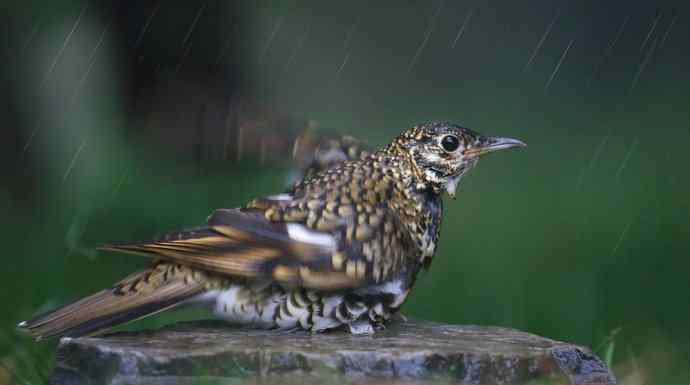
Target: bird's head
(442, 152)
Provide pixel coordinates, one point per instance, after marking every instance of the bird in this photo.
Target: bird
(339, 249)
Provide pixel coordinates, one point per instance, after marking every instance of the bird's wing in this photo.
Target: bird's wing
(299, 244)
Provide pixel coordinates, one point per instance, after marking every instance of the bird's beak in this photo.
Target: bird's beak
(491, 144)
(485, 145)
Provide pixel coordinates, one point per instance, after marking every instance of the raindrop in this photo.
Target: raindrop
(146, 25)
(609, 49)
(92, 61)
(30, 37)
(74, 161)
(651, 30)
(342, 65)
(186, 45)
(618, 35)
(50, 71)
(295, 50)
(462, 27)
(592, 160)
(351, 31)
(32, 135)
(627, 157)
(558, 65)
(194, 23)
(621, 238)
(427, 34)
(668, 30)
(643, 65)
(120, 183)
(541, 41)
(240, 141)
(271, 36)
(62, 48)
(184, 55)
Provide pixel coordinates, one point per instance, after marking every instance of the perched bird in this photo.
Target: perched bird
(340, 248)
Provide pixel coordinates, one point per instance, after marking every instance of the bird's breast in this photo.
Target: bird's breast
(426, 225)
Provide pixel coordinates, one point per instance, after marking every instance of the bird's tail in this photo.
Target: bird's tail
(141, 294)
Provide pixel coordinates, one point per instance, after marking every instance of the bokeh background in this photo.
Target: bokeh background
(123, 120)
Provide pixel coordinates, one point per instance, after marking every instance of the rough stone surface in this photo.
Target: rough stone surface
(406, 353)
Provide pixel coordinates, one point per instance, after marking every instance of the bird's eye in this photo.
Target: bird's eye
(450, 143)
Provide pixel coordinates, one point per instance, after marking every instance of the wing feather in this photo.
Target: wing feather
(244, 243)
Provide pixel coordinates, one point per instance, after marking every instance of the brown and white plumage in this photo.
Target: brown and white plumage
(342, 247)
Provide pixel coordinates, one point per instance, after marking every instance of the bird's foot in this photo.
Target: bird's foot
(361, 327)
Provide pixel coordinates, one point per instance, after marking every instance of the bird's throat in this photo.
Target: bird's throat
(452, 185)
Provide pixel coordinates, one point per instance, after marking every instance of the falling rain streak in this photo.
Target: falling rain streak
(462, 27)
(342, 65)
(592, 160)
(186, 44)
(668, 30)
(31, 136)
(643, 65)
(351, 31)
(624, 163)
(651, 30)
(50, 71)
(298, 46)
(558, 65)
(271, 36)
(187, 48)
(240, 141)
(609, 50)
(427, 34)
(92, 61)
(120, 183)
(621, 238)
(541, 41)
(74, 161)
(194, 23)
(140, 38)
(62, 48)
(30, 38)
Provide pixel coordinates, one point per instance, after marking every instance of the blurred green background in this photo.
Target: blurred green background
(125, 120)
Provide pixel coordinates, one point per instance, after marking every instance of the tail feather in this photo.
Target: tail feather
(139, 295)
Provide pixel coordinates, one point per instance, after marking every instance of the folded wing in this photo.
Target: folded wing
(244, 243)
